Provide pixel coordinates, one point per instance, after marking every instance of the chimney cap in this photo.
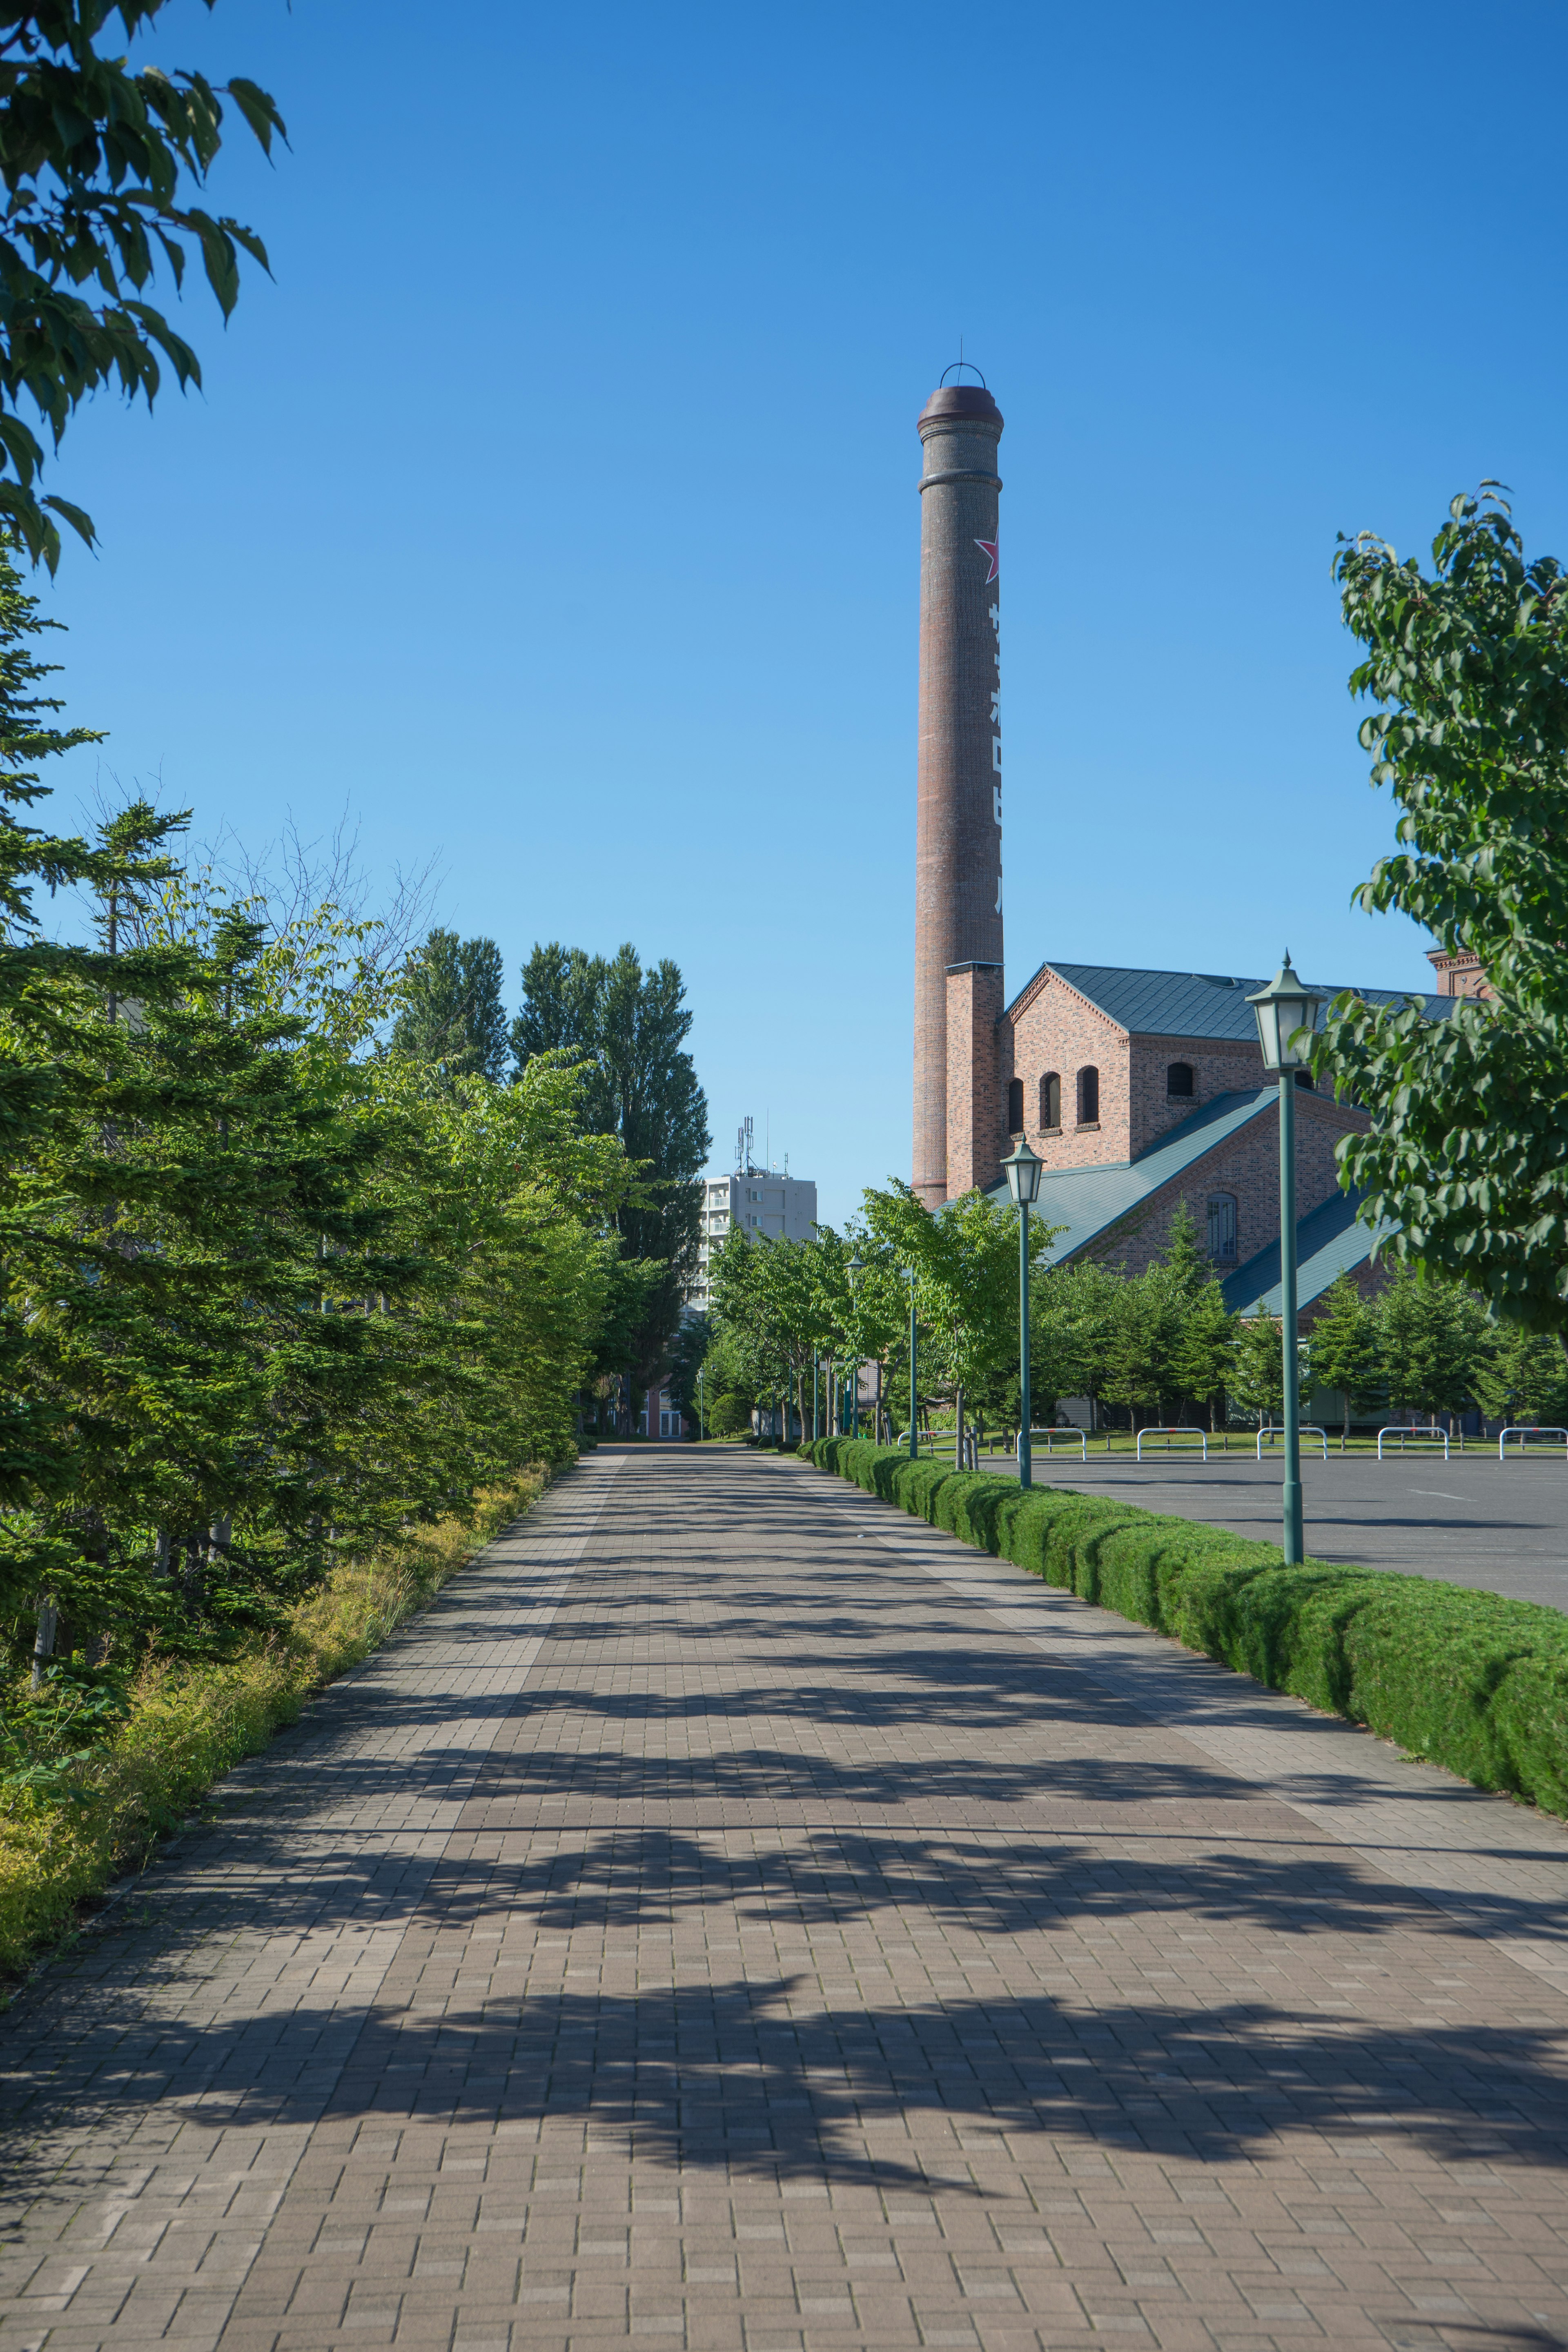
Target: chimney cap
(966, 402)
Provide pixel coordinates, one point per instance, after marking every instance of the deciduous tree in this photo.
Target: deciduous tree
(101, 165)
(1468, 665)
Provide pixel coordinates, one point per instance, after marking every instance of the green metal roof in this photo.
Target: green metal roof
(1330, 1240)
(1201, 1003)
(1088, 1200)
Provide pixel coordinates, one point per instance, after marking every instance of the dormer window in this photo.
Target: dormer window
(1052, 1099)
(1088, 1096)
(1015, 1106)
(1179, 1082)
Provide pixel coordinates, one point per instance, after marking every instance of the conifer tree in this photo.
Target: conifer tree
(452, 1015)
(1257, 1380)
(1343, 1349)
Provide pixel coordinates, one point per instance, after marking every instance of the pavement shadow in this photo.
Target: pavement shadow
(759, 2076)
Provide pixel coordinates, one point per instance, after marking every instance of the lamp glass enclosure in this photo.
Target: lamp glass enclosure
(1286, 1005)
(1021, 1169)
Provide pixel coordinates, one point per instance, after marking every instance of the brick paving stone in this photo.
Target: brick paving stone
(739, 1918)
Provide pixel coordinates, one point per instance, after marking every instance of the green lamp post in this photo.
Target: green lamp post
(1284, 1009)
(816, 1420)
(1021, 1169)
(908, 1273)
(701, 1370)
(856, 1268)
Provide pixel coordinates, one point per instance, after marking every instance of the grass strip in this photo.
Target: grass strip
(191, 1723)
(1473, 1681)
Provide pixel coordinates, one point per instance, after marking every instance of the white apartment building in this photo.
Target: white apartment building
(760, 1199)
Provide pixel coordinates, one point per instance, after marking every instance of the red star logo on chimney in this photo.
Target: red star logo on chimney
(988, 547)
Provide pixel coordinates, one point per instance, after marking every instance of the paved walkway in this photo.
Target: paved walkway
(737, 1913)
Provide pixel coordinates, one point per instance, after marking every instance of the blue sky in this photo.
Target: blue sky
(554, 511)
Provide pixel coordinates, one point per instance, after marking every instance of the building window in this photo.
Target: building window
(1222, 1225)
(1178, 1080)
(1050, 1100)
(1088, 1096)
(1015, 1106)
(1304, 1078)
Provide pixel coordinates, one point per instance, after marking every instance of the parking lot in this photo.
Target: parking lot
(1499, 1526)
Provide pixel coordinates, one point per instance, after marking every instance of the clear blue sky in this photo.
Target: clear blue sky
(555, 508)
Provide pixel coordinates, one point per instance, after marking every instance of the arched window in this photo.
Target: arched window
(1051, 1099)
(1178, 1080)
(1222, 1225)
(1015, 1106)
(1088, 1096)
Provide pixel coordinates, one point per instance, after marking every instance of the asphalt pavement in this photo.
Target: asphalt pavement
(1499, 1526)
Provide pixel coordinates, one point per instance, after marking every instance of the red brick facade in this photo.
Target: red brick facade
(1459, 975)
(975, 1102)
(1052, 1030)
(1245, 1168)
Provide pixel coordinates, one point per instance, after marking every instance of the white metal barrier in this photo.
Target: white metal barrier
(1050, 1436)
(1307, 1429)
(1201, 1436)
(1524, 1436)
(1422, 1437)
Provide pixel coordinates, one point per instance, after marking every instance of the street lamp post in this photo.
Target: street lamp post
(816, 1422)
(701, 1370)
(908, 1274)
(856, 1267)
(1021, 1168)
(1283, 1009)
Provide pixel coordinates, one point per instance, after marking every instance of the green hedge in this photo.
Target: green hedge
(1470, 1680)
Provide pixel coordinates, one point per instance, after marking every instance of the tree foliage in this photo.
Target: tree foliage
(269, 1295)
(627, 1027)
(1468, 665)
(101, 165)
(452, 1015)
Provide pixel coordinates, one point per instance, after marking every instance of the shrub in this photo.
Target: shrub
(731, 1416)
(188, 1724)
(1474, 1681)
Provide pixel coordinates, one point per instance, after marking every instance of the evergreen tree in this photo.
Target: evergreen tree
(1430, 1341)
(1256, 1379)
(1205, 1348)
(1141, 1356)
(1202, 1331)
(1343, 1349)
(1072, 1315)
(453, 1016)
(1520, 1376)
(627, 1027)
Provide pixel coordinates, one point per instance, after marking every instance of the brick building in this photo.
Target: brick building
(1143, 1090)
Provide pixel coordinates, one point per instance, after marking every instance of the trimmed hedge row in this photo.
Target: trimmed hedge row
(1470, 1680)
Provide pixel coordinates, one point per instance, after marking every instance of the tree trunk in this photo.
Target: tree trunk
(44, 1640)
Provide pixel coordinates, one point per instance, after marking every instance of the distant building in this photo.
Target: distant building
(1144, 1092)
(1459, 975)
(760, 1202)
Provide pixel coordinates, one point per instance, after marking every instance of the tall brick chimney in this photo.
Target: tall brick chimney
(958, 845)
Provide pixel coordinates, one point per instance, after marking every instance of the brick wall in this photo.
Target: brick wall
(958, 851)
(1219, 1066)
(1246, 1166)
(975, 1102)
(1052, 1027)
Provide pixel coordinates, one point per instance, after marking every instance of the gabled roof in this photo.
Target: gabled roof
(1330, 1242)
(1088, 1200)
(1198, 1003)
